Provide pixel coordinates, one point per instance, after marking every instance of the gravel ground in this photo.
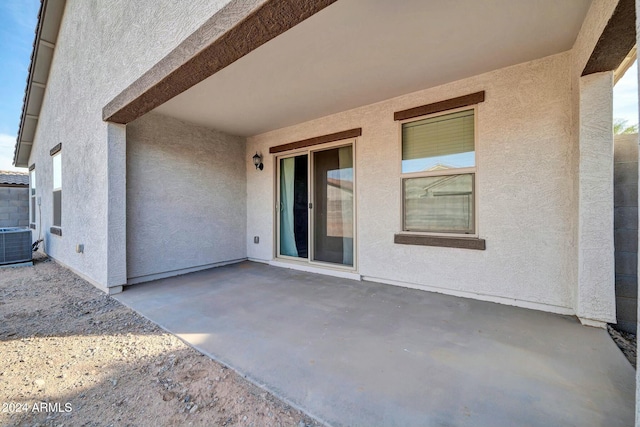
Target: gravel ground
(71, 355)
(625, 342)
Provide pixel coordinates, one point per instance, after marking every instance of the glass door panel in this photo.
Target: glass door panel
(333, 228)
(294, 213)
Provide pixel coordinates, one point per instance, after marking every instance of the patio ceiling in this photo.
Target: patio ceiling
(358, 52)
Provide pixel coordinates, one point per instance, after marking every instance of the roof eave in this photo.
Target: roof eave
(46, 34)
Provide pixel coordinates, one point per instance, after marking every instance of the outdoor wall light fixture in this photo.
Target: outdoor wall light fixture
(257, 161)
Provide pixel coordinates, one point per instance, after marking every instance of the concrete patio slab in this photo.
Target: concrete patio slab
(366, 354)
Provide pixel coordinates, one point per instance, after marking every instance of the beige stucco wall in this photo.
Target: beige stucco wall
(526, 202)
(186, 197)
(592, 171)
(100, 51)
(596, 285)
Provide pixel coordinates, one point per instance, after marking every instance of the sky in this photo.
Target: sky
(18, 20)
(17, 30)
(625, 96)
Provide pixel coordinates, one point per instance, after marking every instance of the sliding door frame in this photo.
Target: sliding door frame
(310, 151)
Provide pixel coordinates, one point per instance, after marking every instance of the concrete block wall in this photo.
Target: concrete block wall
(14, 206)
(626, 229)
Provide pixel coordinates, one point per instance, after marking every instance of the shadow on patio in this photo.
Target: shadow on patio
(361, 353)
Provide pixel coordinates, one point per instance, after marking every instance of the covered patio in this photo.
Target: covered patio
(362, 353)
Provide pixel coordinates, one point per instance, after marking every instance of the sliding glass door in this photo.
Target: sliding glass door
(316, 216)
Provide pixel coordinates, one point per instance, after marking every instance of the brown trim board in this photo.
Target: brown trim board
(56, 230)
(56, 149)
(437, 107)
(448, 242)
(616, 41)
(332, 137)
(234, 31)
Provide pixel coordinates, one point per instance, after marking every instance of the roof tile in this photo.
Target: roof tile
(14, 178)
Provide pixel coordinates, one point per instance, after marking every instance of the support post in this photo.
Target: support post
(595, 299)
(116, 207)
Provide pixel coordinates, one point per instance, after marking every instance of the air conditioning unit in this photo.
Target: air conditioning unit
(15, 245)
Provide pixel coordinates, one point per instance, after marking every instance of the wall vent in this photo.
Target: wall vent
(15, 245)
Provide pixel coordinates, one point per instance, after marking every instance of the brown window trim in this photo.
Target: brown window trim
(317, 140)
(56, 230)
(440, 241)
(55, 150)
(437, 107)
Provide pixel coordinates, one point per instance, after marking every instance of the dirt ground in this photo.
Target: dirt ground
(71, 355)
(626, 342)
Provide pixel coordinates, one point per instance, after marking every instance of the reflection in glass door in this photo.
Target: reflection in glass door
(333, 205)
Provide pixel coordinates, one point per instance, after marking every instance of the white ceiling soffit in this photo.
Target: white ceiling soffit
(357, 52)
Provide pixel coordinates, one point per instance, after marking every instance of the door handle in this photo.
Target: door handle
(310, 205)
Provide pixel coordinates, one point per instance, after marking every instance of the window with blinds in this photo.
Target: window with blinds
(439, 153)
(437, 143)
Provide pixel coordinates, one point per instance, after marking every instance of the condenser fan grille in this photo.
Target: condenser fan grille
(15, 245)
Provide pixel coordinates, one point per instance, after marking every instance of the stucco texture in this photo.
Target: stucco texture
(596, 285)
(186, 196)
(592, 171)
(526, 205)
(100, 51)
(586, 280)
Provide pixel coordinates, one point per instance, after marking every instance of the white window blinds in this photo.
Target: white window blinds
(438, 136)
